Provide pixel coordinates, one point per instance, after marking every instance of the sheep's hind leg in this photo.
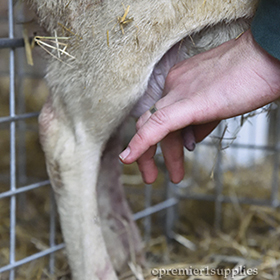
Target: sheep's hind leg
(73, 162)
(121, 234)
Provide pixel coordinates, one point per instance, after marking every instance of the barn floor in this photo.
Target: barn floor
(250, 235)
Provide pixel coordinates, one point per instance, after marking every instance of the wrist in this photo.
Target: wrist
(267, 66)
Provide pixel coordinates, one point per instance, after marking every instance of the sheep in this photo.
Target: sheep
(119, 55)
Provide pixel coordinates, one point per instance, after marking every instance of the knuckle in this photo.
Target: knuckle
(140, 137)
(171, 77)
(159, 118)
(139, 123)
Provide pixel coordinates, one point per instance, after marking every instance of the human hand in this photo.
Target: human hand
(232, 79)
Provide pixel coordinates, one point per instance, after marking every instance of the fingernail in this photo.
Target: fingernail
(190, 146)
(124, 154)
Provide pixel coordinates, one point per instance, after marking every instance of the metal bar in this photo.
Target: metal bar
(24, 75)
(135, 190)
(18, 117)
(24, 189)
(227, 199)
(52, 231)
(12, 145)
(32, 258)
(170, 211)
(156, 208)
(243, 146)
(21, 128)
(219, 181)
(147, 221)
(276, 163)
(252, 139)
(11, 43)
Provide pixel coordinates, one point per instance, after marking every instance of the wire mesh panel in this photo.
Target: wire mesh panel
(18, 130)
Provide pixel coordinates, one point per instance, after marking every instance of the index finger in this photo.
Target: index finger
(162, 122)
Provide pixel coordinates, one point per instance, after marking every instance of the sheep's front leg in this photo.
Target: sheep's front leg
(73, 163)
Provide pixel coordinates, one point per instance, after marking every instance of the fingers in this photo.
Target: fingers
(189, 138)
(147, 166)
(172, 143)
(173, 153)
(203, 130)
(160, 124)
(195, 134)
(172, 149)
(146, 163)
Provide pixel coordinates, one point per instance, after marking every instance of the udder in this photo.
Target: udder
(157, 79)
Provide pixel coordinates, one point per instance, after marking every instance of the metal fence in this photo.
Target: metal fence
(14, 122)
